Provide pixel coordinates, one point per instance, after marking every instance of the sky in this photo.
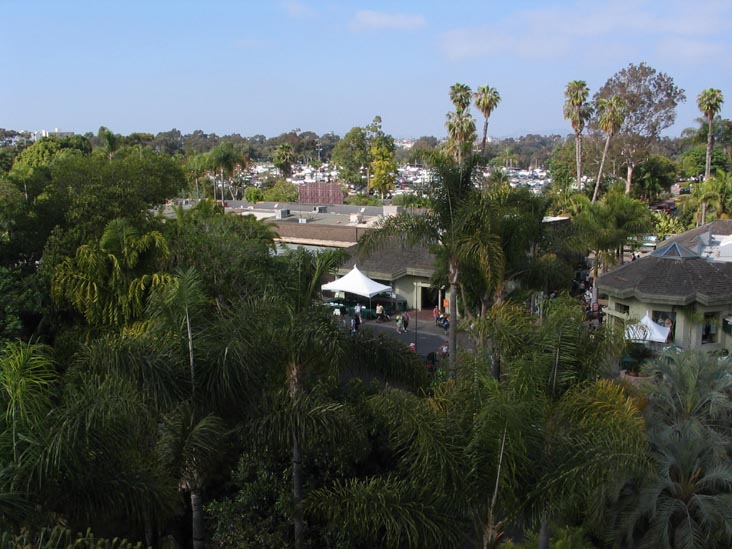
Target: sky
(268, 67)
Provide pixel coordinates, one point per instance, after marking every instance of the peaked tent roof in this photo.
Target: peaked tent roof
(357, 283)
(647, 330)
(675, 251)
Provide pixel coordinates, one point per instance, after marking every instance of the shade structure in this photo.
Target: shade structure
(355, 282)
(647, 330)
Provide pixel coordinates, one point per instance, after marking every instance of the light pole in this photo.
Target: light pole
(416, 319)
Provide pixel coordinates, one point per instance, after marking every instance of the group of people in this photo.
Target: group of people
(441, 320)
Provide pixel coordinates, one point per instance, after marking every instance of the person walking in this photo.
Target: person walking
(399, 324)
(405, 320)
(436, 315)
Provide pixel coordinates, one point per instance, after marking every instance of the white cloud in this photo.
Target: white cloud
(692, 52)
(370, 20)
(297, 9)
(553, 31)
(491, 42)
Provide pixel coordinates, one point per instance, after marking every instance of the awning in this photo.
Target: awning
(357, 283)
(647, 330)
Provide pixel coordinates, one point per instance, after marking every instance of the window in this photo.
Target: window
(711, 324)
(667, 319)
(621, 308)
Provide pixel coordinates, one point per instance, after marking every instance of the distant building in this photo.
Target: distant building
(55, 133)
(407, 270)
(320, 193)
(685, 285)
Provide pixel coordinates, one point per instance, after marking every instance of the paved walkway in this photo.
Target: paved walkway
(421, 331)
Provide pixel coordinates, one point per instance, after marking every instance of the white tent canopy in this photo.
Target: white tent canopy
(357, 283)
(647, 330)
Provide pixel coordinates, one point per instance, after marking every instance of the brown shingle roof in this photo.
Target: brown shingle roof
(673, 280)
(689, 238)
(392, 262)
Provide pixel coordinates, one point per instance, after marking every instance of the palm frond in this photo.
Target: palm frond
(387, 512)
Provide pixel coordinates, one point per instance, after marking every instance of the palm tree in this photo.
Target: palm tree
(174, 308)
(282, 158)
(224, 158)
(26, 387)
(710, 103)
(109, 281)
(578, 111)
(693, 388)
(452, 194)
(197, 166)
(685, 503)
(688, 418)
(486, 100)
(460, 123)
(110, 141)
(611, 116)
(605, 226)
(461, 133)
(191, 446)
(723, 186)
(705, 192)
(95, 459)
(308, 350)
(460, 97)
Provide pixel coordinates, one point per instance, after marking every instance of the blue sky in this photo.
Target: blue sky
(272, 66)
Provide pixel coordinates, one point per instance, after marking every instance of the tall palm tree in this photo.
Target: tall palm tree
(452, 194)
(486, 100)
(461, 133)
(705, 193)
(710, 103)
(309, 350)
(224, 158)
(191, 446)
(460, 123)
(282, 157)
(578, 111)
(611, 116)
(460, 97)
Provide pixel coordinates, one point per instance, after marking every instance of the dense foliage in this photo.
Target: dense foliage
(171, 379)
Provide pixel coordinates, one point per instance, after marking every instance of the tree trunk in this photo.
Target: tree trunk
(602, 165)
(452, 332)
(297, 489)
(629, 179)
(495, 361)
(544, 533)
(199, 540)
(149, 532)
(703, 212)
(295, 390)
(492, 532)
(485, 136)
(579, 161)
(190, 355)
(710, 146)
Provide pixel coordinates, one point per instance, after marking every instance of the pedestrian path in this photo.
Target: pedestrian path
(421, 331)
